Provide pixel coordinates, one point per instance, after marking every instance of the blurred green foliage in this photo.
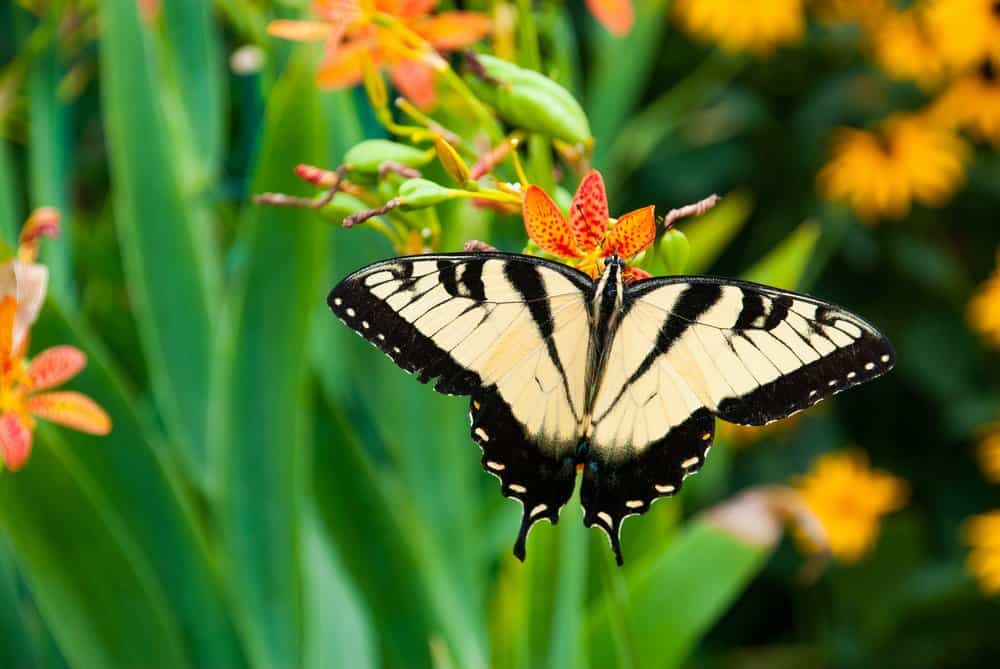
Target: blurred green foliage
(275, 494)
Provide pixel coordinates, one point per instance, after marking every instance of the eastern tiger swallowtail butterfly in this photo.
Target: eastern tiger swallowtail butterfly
(623, 382)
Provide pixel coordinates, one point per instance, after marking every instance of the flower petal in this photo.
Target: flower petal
(344, 67)
(449, 31)
(632, 233)
(300, 31)
(416, 81)
(408, 9)
(15, 441)
(56, 365)
(615, 15)
(633, 274)
(71, 409)
(32, 283)
(588, 213)
(546, 225)
(8, 308)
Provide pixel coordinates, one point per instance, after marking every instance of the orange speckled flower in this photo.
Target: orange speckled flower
(880, 173)
(22, 291)
(850, 498)
(399, 34)
(589, 235)
(759, 27)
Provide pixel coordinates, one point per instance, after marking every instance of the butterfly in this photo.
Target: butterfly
(621, 382)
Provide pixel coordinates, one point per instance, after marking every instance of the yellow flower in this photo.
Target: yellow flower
(849, 498)
(759, 26)
(989, 454)
(966, 30)
(982, 533)
(880, 173)
(984, 308)
(973, 101)
(904, 47)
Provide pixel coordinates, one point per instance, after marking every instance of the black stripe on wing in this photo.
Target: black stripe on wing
(615, 489)
(762, 311)
(541, 480)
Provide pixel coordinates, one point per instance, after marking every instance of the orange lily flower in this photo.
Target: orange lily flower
(22, 291)
(615, 15)
(407, 44)
(589, 235)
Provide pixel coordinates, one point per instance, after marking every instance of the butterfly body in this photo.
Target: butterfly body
(621, 380)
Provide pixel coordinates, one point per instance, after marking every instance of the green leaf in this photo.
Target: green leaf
(137, 489)
(49, 159)
(785, 265)
(697, 577)
(277, 297)
(615, 87)
(98, 596)
(16, 615)
(194, 60)
(710, 234)
(10, 211)
(338, 632)
(166, 257)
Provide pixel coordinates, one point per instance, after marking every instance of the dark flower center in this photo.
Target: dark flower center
(996, 8)
(988, 71)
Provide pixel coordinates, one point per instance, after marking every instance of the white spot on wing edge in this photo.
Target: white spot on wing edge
(480, 431)
(539, 509)
(350, 312)
(885, 358)
(514, 487)
(690, 462)
(870, 366)
(496, 466)
(606, 517)
(634, 503)
(665, 489)
(337, 301)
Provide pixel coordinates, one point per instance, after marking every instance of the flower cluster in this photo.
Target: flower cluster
(949, 48)
(26, 384)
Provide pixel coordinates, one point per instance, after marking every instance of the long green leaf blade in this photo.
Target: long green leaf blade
(278, 295)
(165, 257)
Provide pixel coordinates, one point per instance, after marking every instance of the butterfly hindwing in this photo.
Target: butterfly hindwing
(540, 478)
(616, 486)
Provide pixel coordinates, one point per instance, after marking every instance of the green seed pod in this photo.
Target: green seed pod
(674, 250)
(420, 193)
(368, 156)
(529, 100)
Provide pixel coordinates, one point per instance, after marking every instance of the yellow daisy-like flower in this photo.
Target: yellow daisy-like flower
(973, 102)
(880, 173)
(849, 498)
(758, 27)
(966, 30)
(904, 47)
(984, 308)
(982, 533)
(989, 454)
